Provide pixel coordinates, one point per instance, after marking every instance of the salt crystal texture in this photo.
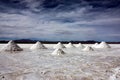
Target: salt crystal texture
(115, 75)
(72, 64)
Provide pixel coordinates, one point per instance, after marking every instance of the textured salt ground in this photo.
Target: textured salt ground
(74, 65)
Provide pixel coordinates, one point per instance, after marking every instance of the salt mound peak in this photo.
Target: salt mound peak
(81, 46)
(11, 46)
(59, 45)
(58, 52)
(38, 45)
(88, 48)
(103, 45)
(70, 45)
(95, 45)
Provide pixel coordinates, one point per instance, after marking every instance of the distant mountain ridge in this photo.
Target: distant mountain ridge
(54, 42)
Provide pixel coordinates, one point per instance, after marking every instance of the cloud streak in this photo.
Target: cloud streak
(63, 21)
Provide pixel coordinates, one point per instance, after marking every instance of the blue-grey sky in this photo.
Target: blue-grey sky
(60, 19)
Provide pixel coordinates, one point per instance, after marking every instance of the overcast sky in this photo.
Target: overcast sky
(60, 19)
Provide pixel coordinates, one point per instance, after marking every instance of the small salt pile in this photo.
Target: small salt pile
(58, 52)
(11, 46)
(81, 46)
(103, 45)
(38, 45)
(70, 45)
(59, 46)
(88, 48)
(95, 45)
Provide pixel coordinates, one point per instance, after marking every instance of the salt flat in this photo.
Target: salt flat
(100, 64)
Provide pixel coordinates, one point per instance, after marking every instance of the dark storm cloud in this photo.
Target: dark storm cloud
(60, 19)
(60, 4)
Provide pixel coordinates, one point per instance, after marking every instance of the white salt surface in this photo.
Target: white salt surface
(100, 64)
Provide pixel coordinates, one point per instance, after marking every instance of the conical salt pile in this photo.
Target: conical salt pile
(70, 45)
(11, 46)
(58, 52)
(103, 45)
(59, 46)
(38, 45)
(88, 48)
(81, 46)
(95, 45)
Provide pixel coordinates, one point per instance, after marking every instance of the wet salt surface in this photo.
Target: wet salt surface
(100, 64)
